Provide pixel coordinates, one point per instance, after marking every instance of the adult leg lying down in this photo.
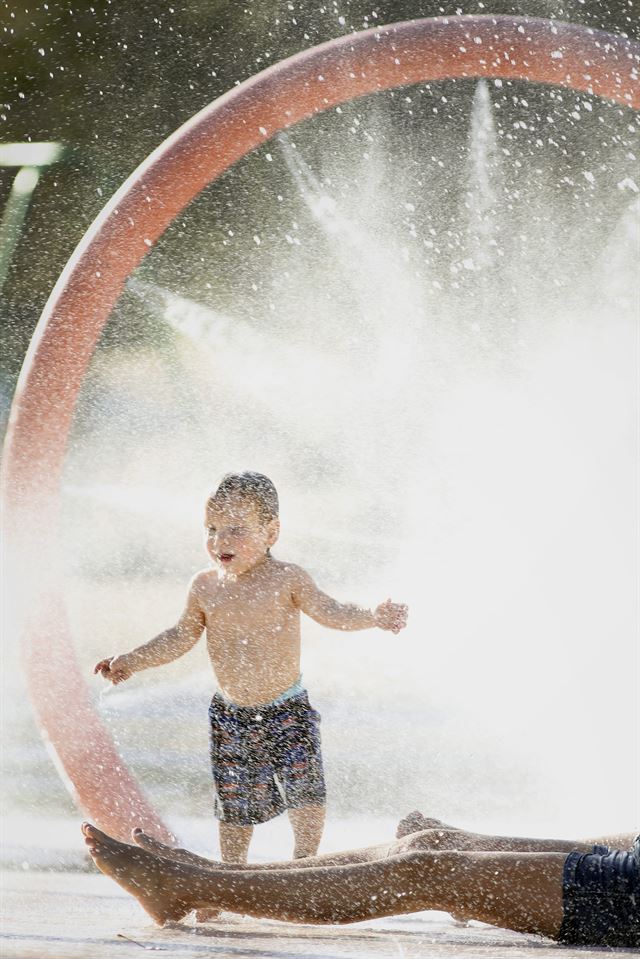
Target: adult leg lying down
(415, 832)
(535, 892)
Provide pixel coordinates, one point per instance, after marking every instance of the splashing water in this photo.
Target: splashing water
(452, 445)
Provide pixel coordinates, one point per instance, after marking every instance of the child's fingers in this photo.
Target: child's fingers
(400, 622)
(120, 676)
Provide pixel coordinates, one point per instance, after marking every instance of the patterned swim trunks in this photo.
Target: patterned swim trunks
(265, 759)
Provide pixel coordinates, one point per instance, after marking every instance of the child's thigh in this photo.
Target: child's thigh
(298, 759)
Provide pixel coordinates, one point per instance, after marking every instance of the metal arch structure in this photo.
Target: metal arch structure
(418, 51)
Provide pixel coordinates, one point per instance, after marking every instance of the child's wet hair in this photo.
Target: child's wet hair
(255, 487)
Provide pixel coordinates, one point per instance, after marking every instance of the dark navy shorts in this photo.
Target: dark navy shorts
(265, 759)
(602, 898)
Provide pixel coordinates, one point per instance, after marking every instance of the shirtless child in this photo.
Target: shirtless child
(264, 734)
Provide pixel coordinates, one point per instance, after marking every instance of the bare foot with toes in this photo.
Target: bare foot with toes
(155, 885)
(177, 854)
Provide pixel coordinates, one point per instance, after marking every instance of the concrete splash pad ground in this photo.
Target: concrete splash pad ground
(56, 904)
(69, 915)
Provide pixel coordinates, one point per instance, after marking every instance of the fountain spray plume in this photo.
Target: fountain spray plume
(482, 242)
(381, 281)
(238, 369)
(370, 261)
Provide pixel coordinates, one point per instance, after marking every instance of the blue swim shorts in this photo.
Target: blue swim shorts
(602, 898)
(265, 759)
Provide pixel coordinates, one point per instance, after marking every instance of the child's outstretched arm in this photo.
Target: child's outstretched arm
(329, 612)
(163, 648)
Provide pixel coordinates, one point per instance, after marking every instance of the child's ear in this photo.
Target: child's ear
(273, 531)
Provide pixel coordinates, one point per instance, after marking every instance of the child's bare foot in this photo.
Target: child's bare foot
(416, 822)
(154, 884)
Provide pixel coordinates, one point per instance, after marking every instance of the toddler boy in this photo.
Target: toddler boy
(264, 734)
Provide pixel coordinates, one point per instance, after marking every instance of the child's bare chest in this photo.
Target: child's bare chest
(232, 607)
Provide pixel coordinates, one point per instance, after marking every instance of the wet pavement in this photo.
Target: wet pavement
(48, 915)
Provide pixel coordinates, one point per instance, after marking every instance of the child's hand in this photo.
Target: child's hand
(115, 668)
(391, 616)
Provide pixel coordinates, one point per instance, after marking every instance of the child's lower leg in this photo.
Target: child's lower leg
(234, 842)
(234, 846)
(307, 823)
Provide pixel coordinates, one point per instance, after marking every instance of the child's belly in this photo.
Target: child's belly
(251, 672)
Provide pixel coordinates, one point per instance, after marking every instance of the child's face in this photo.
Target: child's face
(237, 536)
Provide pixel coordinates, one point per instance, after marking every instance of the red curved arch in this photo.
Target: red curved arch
(201, 150)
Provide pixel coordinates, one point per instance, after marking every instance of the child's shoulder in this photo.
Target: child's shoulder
(204, 579)
(290, 572)
(277, 567)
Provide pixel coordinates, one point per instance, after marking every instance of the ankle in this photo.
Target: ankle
(304, 852)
